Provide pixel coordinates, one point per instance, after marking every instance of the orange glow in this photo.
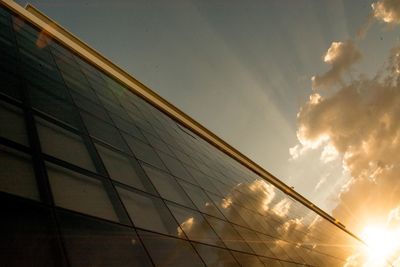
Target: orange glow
(42, 40)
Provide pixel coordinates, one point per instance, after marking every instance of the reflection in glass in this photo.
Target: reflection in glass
(201, 200)
(54, 140)
(194, 225)
(176, 168)
(103, 131)
(148, 212)
(124, 169)
(228, 234)
(167, 186)
(77, 192)
(144, 152)
(253, 241)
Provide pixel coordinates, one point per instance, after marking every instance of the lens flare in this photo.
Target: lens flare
(382, 244)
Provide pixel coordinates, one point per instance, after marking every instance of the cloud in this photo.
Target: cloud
(282, 207)
(340, 56)
(329, 154)
(360, 122)
(387, 11)
(321, 182)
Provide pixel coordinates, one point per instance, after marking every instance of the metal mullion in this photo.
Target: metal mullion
(15, 145)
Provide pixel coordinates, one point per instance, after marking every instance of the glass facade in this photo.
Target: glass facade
(93, 175)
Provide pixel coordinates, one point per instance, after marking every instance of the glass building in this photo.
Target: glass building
(97, 170)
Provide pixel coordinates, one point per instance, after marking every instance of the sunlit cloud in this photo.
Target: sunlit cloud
(357, 121)
(329, 153)
(387, 11)
(340, 56)
(321, 182)
(282, 207)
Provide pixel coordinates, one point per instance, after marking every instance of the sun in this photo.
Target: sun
(382, 244)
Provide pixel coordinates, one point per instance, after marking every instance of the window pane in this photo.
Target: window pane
(270, 262)
(77, 192)
(248, 260)
(170, 251)
(216, 257)
(201, 200)
(91, 242)
(144, 152)
(254, 241)
(159, 144)
(228, 234)
(148, 212)
(63, 144)
(176, 168)
(227, 208)
(90, 106)
(127, 126)
(55, 107)
(194, 225)
(12, 123)
(167, 186)
(203, 180)
(9, 84)
(17, 175)
(27, 235)
(104, 131)
(124, 169)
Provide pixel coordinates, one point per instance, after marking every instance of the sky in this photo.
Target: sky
(245, 71)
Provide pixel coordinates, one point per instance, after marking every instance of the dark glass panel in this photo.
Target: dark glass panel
(176, 167)
(167, 186)
(127, 126)
(16, 174)
(144, 152)
(148, 212)
(27, 235)
(75, 191)
(12, 123)
(172, 252)
(9, 84)
(63, 144)
(124, 169)
(104, 131)
(201, 200)
(54, 106)
(91, 107)
(91, 242)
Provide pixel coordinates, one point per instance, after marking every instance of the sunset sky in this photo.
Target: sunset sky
(245, 71)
